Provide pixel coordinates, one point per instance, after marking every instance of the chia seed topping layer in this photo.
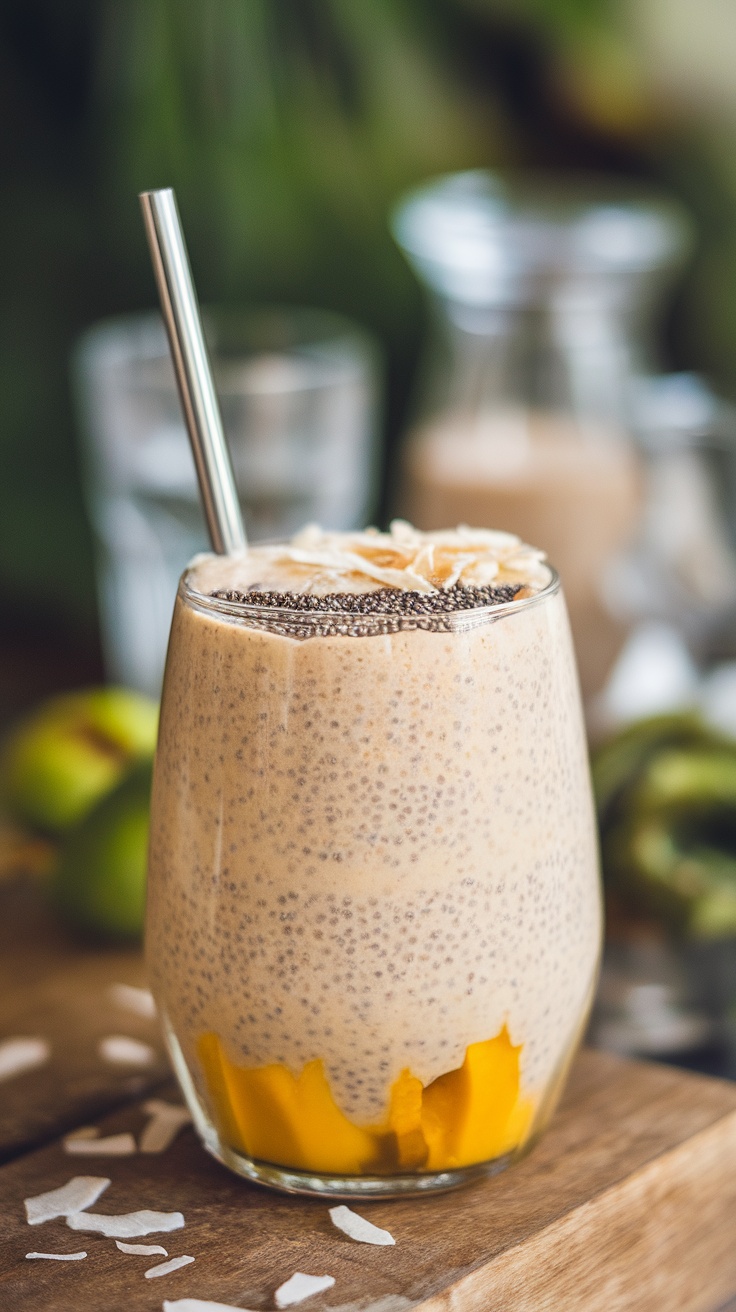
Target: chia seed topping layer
(384, 601)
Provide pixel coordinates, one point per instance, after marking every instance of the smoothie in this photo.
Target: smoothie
(374, 916)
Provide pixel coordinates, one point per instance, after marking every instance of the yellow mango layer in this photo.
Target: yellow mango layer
(469, 1115)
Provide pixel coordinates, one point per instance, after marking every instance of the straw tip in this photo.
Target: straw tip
(154, 192)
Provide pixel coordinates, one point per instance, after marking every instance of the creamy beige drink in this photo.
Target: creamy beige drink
(374, 921)
(574, 487)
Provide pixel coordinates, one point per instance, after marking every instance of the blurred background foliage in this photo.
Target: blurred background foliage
(288, 127)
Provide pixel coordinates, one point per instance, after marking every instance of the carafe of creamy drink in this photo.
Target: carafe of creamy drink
(542, 295)
(374, 915)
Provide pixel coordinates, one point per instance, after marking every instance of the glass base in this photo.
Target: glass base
(316, 1184)
(290, 1181)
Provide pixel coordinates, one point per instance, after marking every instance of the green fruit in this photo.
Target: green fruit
(667, 806)
(698, 779)
(73, 750)
(678, 872)
(618, 764)
(100, 880)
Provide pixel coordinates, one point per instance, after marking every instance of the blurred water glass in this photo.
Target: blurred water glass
(299, 391)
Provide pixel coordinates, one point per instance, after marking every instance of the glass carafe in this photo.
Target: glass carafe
(542, 298)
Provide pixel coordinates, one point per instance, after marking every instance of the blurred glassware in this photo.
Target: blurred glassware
(681, 568)
(645, 1005)
(299, 392)
(543, 291)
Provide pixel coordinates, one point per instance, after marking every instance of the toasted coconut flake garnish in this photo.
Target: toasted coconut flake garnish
(127, 1226)
(113, 1145)
(299, 1287)
(56, 1257)
(124, 1051)
(79, 1192)
(18, 1055)
(129, 998)
(167, 1119)
(408, 559)
(356, 1227)
(141, 1250)
(198, 1305)
(165, 1268)
(317, 562)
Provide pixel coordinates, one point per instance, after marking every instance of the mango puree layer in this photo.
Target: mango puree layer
(472, 1114)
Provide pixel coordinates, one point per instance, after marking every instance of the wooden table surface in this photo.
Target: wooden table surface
(628, 1202)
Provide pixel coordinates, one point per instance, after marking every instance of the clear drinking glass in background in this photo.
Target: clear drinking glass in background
(299, 392)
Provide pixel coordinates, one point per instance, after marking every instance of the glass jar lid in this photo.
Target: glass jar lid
(482, 239)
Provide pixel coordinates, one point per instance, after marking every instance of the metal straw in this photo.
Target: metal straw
(193, 372)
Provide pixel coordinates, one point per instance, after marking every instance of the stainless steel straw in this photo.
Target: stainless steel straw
(193, 372)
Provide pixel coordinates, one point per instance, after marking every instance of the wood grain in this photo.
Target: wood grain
(626, 1203)
(55, 988)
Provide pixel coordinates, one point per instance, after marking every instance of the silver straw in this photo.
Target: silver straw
(193, 372)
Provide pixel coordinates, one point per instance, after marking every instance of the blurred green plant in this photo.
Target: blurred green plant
(288, 128)
(666, 797)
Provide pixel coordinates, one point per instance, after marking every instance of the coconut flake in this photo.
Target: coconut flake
(299, 1287)
(130, 998)
(56, 1257)
(113, 1145)
(167, 1119)
(127, 1226)
(358, 1228)
(19, 1055)
(315, 561)
(198, 1305)
(123, 1051)
(141, 1250)
(85, 1132)
(165, 1268)
(79, 1192)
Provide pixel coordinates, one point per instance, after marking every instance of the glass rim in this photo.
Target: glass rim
(352, 623)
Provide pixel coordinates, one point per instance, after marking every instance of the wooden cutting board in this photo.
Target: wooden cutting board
(74, 1010)
(629, 1202)
(57, 988)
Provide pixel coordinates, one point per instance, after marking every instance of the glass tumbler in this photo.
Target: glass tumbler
(374, 922)
(299, 392)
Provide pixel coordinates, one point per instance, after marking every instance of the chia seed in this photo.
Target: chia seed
(383, 601)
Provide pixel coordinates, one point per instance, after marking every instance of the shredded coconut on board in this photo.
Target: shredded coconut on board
(79, 1192)
(127, 1226)
(167, 1119)
(141, 1250)
(298, 1287)
(113, 1145)
(19, 1055)
(56, 1257)
(165, 1268)
(130, 998)
(356, 1227)
(123, 1051)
